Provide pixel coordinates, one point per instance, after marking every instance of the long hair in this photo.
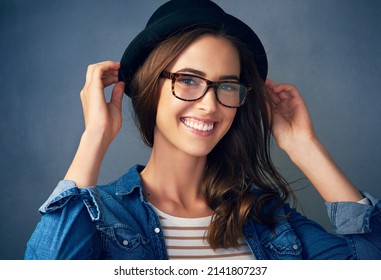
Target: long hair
(239, 177)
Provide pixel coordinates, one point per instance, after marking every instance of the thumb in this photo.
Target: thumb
(117, 94)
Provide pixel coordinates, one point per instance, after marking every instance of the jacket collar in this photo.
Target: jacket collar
(130, 182)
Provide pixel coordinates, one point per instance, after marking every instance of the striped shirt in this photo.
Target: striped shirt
(186, 239)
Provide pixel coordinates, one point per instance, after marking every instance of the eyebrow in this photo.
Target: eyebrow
(202, 74)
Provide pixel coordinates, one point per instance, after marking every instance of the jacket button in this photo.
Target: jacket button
(125, 242)
(157, 230)
(295, 246)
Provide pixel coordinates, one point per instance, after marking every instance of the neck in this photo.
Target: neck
(180, 173)
(173, 182)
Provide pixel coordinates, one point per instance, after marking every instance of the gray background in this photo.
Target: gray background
(330, 49)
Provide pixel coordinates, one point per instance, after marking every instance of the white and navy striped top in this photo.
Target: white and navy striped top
(185, 239)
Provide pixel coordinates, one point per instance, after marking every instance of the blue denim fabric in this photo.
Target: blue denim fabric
(115, 221)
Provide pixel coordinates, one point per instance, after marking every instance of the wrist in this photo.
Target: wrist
(302, 147)
(96, 141)
(85, 167)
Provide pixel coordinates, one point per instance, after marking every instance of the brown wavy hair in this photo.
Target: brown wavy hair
(239, 177)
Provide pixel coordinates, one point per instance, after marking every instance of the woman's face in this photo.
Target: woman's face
(196, 127)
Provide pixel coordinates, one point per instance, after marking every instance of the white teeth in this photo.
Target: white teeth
(198, 125)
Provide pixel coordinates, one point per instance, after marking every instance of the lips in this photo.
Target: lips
(199, 125)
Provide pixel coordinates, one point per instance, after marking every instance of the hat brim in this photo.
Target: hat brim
(143, 44)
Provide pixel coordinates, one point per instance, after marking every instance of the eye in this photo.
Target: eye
(229, 87)
(189, 81)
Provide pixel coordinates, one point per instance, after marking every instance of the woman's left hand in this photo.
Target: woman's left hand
(289, 115)
(293, 131)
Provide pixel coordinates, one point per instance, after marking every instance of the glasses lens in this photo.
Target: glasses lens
(189, 87)
(231, 94)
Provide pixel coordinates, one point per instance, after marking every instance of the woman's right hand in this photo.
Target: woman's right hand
(103, 121)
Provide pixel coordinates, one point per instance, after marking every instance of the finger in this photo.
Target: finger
(117, 94)
(286, 91)
(285, 95)
(113, 73)
(89, 72)
(104, 69)
(109, 80)
(270, 95)
(98, 76)
(280, 93)
(270, 84)
(284, 87)
(96, 71)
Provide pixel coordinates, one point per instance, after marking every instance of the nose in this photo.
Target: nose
(208, 102)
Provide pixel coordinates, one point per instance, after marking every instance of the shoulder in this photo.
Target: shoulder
(124, 185)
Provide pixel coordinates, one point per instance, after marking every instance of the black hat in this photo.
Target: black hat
(176, 15)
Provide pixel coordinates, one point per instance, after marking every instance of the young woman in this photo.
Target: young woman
(197, 79)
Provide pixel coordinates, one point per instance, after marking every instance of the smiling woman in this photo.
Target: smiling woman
(197, 77)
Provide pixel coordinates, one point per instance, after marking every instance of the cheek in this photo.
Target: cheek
(164, 98)
(168, 109)
(230, 115)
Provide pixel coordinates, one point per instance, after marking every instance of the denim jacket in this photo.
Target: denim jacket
(115, 221)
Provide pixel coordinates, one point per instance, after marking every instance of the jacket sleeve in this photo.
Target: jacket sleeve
(360, 224)
(66, 230)
(316, 242)
(357, 229)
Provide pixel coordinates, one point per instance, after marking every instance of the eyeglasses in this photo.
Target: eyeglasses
(188, 87)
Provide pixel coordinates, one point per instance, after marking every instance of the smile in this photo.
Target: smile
(197, 124)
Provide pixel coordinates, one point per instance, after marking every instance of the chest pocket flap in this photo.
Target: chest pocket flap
(283, 244)
(123, 243)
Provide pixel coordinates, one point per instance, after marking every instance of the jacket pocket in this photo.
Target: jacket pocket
(121, 242)
(284, 244)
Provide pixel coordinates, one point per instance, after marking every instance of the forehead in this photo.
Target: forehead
(214, 55)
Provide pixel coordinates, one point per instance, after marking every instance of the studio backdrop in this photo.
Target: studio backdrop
(331, 50)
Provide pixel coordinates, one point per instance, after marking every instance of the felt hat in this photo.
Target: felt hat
(177, 15)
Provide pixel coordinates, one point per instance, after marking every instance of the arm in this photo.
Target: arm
(293, 131)
(102, 122)
(359, 223)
